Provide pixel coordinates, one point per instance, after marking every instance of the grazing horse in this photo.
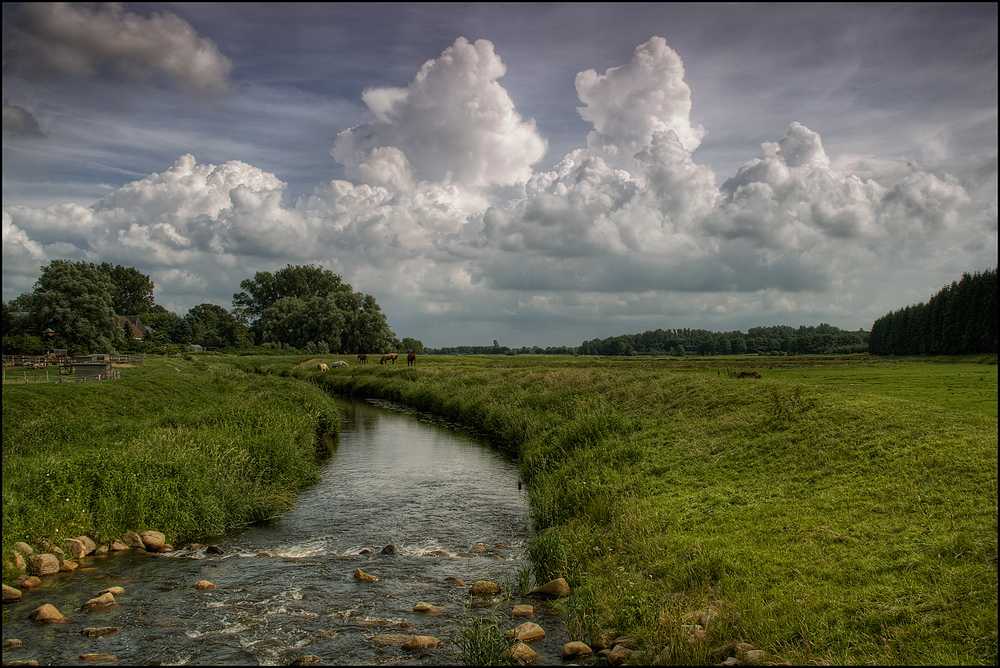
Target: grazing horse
(322, 367)
(411, 359)
(389, 357)
(363, 358)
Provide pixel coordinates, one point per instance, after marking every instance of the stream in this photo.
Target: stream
(449, 504)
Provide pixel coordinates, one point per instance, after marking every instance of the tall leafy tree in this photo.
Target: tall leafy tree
(301, 305)
(75, 300)
(300, 282)
(132, 291)
(164, 324)
(211, 325)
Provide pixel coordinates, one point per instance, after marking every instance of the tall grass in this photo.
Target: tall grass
(189, 449)
(837, 510)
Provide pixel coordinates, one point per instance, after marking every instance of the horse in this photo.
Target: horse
(322, 367)
(389, 357)
(411, 359)
(363, 358)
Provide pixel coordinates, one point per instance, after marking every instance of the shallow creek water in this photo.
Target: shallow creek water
(286, 588)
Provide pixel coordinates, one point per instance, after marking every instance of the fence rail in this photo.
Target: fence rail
(42, 361)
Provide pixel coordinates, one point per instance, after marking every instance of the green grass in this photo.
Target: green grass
(189, 449)
(837, 510)
(842, 510)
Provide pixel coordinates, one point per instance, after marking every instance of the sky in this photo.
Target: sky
(535, 174)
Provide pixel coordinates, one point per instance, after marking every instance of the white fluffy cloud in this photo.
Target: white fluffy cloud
(629, 103)
(444, 216)
(454, 124)
(76, 39)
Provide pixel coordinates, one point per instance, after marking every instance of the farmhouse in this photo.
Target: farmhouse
(134, 325)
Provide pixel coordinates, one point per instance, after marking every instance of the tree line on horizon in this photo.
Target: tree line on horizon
(76, 306)
(773, 340)
(960, 319)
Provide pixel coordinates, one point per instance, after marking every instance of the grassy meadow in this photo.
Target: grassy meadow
(836, 510)
(185, 448)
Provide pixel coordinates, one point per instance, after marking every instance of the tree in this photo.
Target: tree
(412, 346)
(213, 326)
(75, 300)
(132, 291)
(264, 289)
(164, 324)
(298, 305)
(298, 322)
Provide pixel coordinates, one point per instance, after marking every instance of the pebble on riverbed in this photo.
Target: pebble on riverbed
(47, 614)
(105, 600)
(11, 595)
(361, 576)
(422, 642)
(484, 588)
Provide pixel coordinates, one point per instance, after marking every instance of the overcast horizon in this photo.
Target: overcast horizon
(535, 174)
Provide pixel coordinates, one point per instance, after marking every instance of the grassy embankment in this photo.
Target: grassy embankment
(189, 449)
(842, 510)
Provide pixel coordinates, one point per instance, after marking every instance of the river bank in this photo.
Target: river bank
(177, 446)
(836, 510)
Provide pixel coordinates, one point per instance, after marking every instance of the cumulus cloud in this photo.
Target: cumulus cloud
(76, 39)
(444, 216)
(19, 121)
(629, 103)
(454, 123)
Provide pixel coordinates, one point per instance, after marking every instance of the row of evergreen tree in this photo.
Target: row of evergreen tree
(960, 319)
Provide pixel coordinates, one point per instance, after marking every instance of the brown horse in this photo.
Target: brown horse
(363, 358)
(411, 359)
(389, 357)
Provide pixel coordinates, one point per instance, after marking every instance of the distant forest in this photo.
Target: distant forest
(960, 319)
(777, 340)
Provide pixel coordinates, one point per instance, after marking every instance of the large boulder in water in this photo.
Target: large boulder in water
(422, 642)
(11, 595)
(44, 564)
(47, 614)
(484, 588)
(152, 540)
(554, 589)
(527, 632)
